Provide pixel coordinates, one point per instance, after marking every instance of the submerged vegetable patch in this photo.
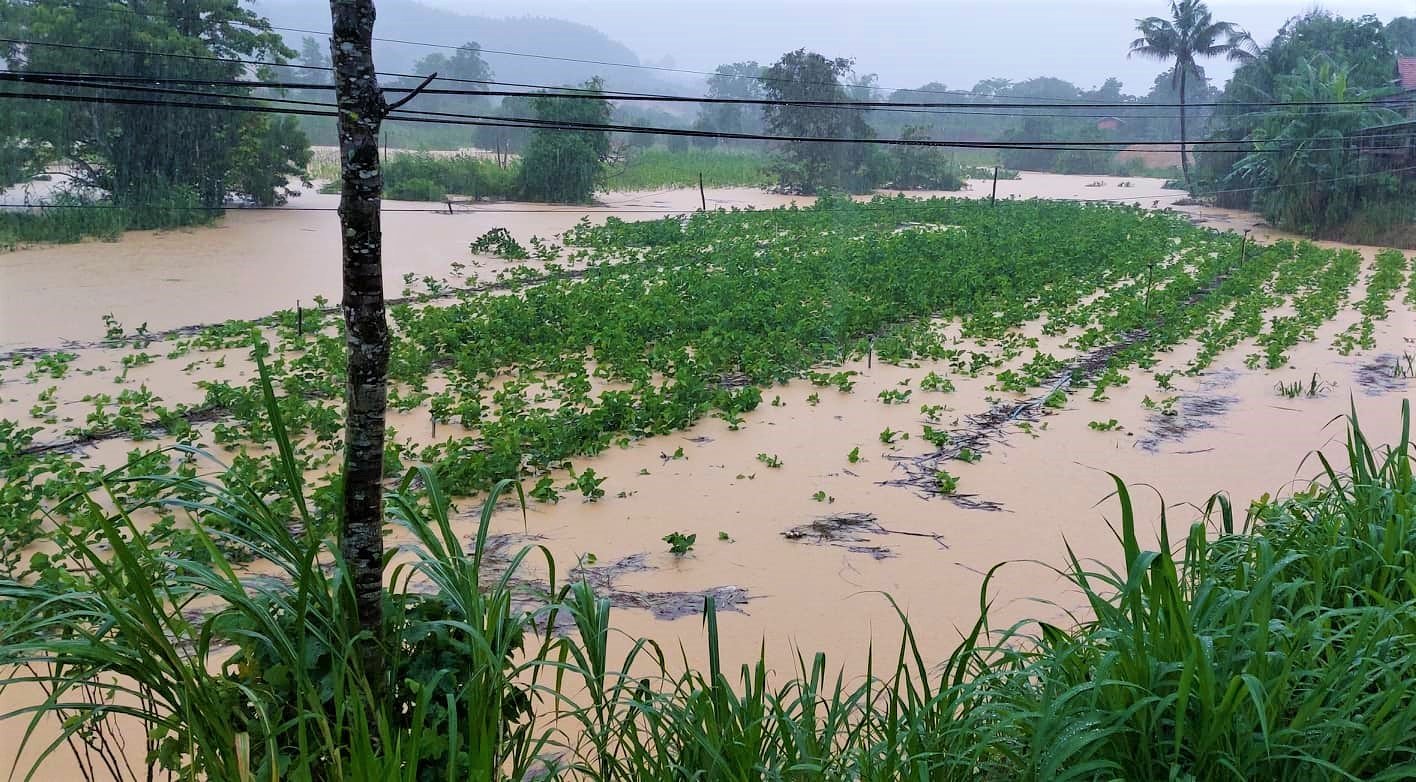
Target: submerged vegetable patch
(629, 330)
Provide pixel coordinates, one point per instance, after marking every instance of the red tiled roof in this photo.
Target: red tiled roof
(1406, 72)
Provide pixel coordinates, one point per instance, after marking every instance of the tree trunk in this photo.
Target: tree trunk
(1184, 164)
(361, 112)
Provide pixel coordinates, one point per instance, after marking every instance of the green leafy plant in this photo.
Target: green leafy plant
(933, 382)
(499, 242)
(945, 482)
(770, 460)
(545, 490)
(894, 396)
(935, 437)
(588, 483)
(679, 543)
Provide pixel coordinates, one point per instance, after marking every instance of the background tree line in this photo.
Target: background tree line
(167, 166)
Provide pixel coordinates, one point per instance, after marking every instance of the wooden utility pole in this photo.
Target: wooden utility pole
(361, 113)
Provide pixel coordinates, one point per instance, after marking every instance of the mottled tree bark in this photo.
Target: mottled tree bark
(361, 112)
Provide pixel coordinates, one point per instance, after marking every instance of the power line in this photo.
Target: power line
(1059, 102)
(92, 79)
(572, 92)
(447, 118)
(98, 81)
(451, 118)
(760, 78)
(81, 79)
(61, 81)
(982, 110)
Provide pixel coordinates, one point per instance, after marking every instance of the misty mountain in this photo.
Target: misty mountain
(411, 21)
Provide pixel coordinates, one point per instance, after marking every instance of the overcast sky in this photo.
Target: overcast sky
(957, 42)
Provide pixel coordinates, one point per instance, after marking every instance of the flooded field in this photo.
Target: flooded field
(181, 277)
(801, 523)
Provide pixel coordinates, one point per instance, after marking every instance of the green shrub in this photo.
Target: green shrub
(69, 218)
(421, 176)
(415, 190)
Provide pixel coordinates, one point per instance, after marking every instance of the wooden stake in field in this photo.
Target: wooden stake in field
(993, 199)
(702, 198)
(361, 113)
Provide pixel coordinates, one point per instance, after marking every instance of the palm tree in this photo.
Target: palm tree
(1191, 32)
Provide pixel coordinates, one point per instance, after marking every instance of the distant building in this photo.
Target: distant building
(1110, 123)
(1406, 74)
(1393, 145)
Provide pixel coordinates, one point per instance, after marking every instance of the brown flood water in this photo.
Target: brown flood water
(253, 262)
(1053, 487)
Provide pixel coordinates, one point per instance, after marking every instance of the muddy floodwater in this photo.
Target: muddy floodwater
(254, 262)
(798, 555)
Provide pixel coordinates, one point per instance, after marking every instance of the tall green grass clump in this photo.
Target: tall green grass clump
(420, 176)
(68, 218)
(1278, 645)
(238, 676)
(423, 176)
(651, 169)
(1273, 651)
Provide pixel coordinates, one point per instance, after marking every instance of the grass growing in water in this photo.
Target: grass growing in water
(652, 169)
(71, 219)
(422, 176)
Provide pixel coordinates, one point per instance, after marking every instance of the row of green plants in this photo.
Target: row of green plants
(1319, 297)
(1272, 643)
(1388, 274)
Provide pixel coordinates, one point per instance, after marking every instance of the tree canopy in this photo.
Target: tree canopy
(565, 166)
(1302, 170)
(739, 80)
(1295, 148)
(812, 166)
(152, 156)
